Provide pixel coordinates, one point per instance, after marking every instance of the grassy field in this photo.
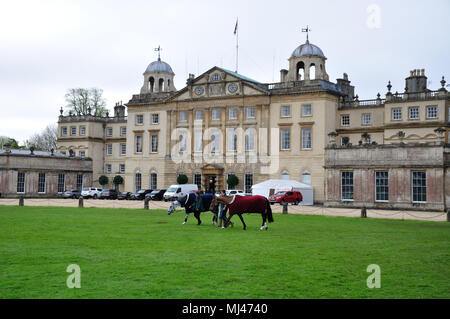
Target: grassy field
(147, 254)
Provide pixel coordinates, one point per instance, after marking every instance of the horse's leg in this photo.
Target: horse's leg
(214, 219)
(186, 218)
(242, 220)
(226, 221)
(197, 215)
(264, 224)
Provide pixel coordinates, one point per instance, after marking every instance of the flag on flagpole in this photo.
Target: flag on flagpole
(235, 28)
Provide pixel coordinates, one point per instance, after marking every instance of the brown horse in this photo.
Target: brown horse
(238, 205)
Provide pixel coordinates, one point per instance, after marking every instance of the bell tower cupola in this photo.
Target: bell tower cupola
(158, 77)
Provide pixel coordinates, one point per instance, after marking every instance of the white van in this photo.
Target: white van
(176, 191)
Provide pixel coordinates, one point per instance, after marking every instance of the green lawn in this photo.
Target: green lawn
(148, 254)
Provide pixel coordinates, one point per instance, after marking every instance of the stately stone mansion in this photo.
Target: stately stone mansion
(390, 151)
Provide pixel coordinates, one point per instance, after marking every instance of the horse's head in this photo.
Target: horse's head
(214, 203)
(173, 206)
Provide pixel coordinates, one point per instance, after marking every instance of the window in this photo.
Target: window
(396, 114)
(108, 149)
(108, 168)
(367, 119)
(347, 185)
(285, 176)
(82, 130)
(20, 182)
(61, 183)
(199, 115)
(122, 168)
(345, 120)
(182, 141)
(248, 183)
(139, 119)
(79, 181)
(431, 112)
(250, 139)
(153, 181)
(306, 110)
(64, 131)
(137, 182)
(73, 130)
(82, 154)
(250, 112)
(123, 131)
(109, 131)
(419, 187)
(306, 178)
(381, 186)
(155, 118)
(154, 143)
(413, 113)
(306, 138)
(198, 180)
(216, 77)
(286, 111)
(198, 134)
(138, 143)
(233, 113)
(183, 116)
(215, 142)
(285, 139)
(41, 183)
(231, 140)
(215, 115)
(123, 149)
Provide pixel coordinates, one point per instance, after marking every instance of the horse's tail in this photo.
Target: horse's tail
(269, 211)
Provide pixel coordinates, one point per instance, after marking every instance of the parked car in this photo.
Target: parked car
(72, 193)
(234, 192)
(157, 194)
(124, 195)
(283, 197)
(108, 194)
(91, 192)
(140, 195)
(176, 191)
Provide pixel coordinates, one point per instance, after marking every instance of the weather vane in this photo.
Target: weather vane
(307, 30)
(159, 52)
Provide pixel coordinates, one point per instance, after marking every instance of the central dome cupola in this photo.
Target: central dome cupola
(307, 62)
(158, 77)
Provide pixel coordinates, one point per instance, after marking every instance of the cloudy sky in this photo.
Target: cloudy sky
(48, 46)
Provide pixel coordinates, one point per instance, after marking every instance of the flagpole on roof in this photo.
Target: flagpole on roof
(236, 31)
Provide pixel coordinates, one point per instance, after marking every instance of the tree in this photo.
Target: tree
(232, 181)
(45, 140)
(182, 179)
(80, 100)
(118, 180)
(103, 180)
(11, 141)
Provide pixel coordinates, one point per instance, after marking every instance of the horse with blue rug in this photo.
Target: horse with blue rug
(192, 205)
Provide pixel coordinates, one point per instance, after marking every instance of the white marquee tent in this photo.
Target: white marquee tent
(284, 185)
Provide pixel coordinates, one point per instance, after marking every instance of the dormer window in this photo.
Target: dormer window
(216, 77)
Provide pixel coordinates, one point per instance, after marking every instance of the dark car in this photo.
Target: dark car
(108, 194)
(140, 195)
(124, 195)
(157, 194)
(72, 193)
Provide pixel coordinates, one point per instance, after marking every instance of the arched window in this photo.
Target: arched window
(249, 139)
(215, 140)
(137, 182)
(306, 178)
(161, 85)
(300, 71)
(232, 140)
(312, 71)
(168, 84)
(182, 141)
(285, 176)
(151, 81)
(153, 181)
